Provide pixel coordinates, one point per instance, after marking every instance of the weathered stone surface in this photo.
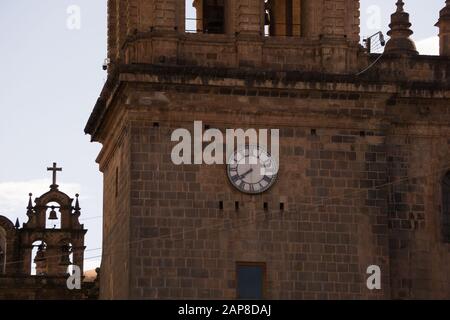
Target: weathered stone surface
(57, 247)
(360, 163)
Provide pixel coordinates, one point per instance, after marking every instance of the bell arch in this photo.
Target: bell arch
(284, 17)
(39, 258)
(210, 16)
(66, 256)
(55, 206)
(53, 216)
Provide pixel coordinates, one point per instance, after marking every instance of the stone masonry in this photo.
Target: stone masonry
(361, 158)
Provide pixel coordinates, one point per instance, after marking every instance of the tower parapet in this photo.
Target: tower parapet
(303, 35)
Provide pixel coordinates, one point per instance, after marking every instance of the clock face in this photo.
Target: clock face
(252, 170)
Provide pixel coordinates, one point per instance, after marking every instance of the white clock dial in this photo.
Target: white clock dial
(252, 170)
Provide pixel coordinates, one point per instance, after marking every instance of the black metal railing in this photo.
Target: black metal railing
(218, 27)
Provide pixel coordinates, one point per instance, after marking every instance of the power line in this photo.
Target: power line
(264, 214)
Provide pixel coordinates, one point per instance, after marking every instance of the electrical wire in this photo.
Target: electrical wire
(251, 220)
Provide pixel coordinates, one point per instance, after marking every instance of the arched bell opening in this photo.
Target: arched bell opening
(39, 258)
(283, 18)
(53, 216)
(205, 16)
(66, 258)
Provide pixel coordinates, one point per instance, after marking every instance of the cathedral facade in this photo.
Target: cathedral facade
(363, 178)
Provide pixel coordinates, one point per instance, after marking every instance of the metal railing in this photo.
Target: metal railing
(375, 43)
(216, 27)
(191, 26)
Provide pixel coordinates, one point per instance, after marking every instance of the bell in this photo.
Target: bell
(40, 254)
(65, 259)
(53, 215)
(39, 257)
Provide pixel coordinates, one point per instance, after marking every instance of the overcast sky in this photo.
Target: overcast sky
(50, 78)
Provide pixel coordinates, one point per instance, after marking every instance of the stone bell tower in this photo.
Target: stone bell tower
(146, 197)
(153, 31)
(341, 201)
(54, 230)
(37, 257)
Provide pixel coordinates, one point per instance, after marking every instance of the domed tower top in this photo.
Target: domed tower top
(400, 32)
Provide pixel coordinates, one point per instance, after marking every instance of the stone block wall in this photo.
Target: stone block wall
(417, 162)
(362, 157)
(116, 166)
(334, 221)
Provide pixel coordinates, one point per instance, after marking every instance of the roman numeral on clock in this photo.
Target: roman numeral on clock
(235, 178)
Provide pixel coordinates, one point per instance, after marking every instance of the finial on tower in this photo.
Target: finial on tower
(400, 32)
(77, 205)
(444, 30)
(400, 6)
(30, 205)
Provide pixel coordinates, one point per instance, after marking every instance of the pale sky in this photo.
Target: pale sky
(50, 78)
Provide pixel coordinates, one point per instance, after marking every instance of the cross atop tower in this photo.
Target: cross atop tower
(54, 169)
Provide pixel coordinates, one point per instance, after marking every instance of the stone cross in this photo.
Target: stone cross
(54, 169)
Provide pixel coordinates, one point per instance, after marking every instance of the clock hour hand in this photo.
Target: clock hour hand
(246, 173)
